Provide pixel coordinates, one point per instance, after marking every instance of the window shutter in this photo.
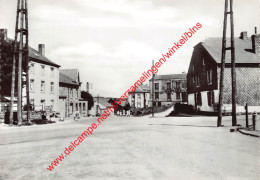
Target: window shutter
(195, 99)
(209, 98)
(213, 97)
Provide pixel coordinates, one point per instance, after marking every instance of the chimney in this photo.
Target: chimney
(183, 72)
(256, 43)
(255, 30)
(3, 34)
(243, 35)
(87, 87)
(41, 49)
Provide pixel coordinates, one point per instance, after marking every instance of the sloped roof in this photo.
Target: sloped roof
(37, 57)
(243, 50)
(67, 80)
(34, 55)
(103, 101)
(170, 76)
(142, 88)
(71, 73)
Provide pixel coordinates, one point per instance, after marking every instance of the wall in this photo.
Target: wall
(201, 62)
(248, 86)
(134, 102)
(47, 95)
(163, 88)
(71, 102)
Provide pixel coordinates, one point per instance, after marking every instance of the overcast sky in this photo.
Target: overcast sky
(112, 42)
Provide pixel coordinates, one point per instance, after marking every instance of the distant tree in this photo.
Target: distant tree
(6, 67)
(127, 107)
(88, 97)
(6, 62)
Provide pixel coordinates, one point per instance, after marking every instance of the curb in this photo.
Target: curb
(249, 134)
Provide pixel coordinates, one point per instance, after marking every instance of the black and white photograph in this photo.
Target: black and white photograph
(130, 89)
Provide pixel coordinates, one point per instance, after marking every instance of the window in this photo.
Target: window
(197, 81)
(52, 103)
(203, 62)
(138, 96)
(42, 70)
(43, 103)
(156, 86)
(32, 68)
(169, 97)
(71, 93)
(32, 104)
(209, 76)
(138, 104)
(184, 97)
(178, 85)
(211, 98)
(193, 72)
(52, 72)
(199, 101)
(42, 86)
(168, 86)
(76, 93)
(159, 104)
(156, 95)
(77, 107)
(32, 101)
(52, 87)
(178, 96)
(32, 85)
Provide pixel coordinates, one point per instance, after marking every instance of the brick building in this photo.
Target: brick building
(204, 74)
(70, 100)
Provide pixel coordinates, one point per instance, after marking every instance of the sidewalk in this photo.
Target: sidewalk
(255, 133)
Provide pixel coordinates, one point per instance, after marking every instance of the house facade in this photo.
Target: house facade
(140, 97)
(70, 101)
(43, 79)
(100, 105)
(204, 74)
(169, 89)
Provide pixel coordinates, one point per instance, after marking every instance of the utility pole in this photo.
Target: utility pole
(22, 51)
(223, 57)
(233, 68)
(14, 63)
(153, 91)
(27, 65)
(97, 104)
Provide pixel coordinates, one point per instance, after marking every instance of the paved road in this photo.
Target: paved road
(131, 148)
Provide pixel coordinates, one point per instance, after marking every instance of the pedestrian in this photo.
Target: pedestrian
(128, 113)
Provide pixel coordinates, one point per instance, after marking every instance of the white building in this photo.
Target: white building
(44, 81)
(140, 98)
(43, 77)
